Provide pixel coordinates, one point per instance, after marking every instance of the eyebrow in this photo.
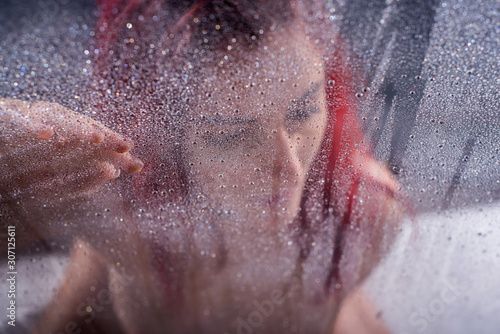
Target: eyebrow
(219, 120)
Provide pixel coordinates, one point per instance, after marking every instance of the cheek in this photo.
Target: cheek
(311, 137)
(222, 172)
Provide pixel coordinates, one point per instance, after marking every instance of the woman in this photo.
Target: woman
(259, 207)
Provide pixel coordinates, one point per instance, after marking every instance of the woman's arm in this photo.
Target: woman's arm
(49, 154)
(48, 150)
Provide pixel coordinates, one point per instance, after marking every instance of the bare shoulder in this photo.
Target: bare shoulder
(358, 315)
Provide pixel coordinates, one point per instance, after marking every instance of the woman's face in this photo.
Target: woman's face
(258, 127)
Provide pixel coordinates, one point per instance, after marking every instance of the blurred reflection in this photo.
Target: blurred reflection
(256, 205)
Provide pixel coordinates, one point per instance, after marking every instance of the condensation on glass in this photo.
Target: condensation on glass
(240, 167)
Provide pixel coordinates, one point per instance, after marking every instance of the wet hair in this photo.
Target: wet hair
(174, 25)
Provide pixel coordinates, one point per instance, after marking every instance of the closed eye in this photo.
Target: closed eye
(300, 112)
(225, 140)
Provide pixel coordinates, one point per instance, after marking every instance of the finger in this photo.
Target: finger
(54, 157)
(98, 135)
(68, 125)
(93, 136)
(43, 132)
(128, 163)
(124, 161)
(117, 143)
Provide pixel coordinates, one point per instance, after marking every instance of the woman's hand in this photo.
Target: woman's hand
(48, 151)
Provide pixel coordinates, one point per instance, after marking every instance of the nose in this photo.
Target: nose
(287, 167)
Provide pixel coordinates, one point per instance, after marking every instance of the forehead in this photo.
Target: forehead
(283, 67)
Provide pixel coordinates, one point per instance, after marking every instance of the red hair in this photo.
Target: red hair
(343, 163)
